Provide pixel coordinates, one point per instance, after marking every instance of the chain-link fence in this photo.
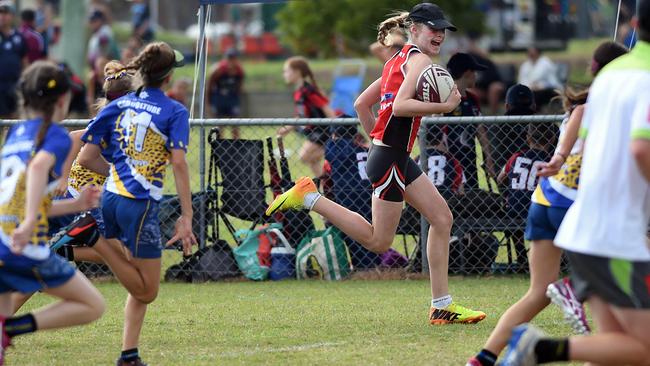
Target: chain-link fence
(484, 167)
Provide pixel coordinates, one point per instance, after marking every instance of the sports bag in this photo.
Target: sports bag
(323, 254)
(253, 255)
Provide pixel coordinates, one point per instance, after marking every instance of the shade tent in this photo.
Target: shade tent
(199, 81)
(211, 2)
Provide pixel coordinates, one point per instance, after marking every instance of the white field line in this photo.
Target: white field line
(297, 348)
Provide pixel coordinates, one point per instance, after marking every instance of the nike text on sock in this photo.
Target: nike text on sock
(441, 302)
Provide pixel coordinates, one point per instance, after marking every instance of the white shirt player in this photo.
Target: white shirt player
(610, 215)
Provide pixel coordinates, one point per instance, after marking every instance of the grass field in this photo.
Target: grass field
(286, 323)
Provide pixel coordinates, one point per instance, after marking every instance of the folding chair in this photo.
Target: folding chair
(236, 176)
(409, 225)
(346, 87)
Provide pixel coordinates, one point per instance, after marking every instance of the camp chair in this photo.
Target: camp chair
(346, 86)
(409, 226)
(236, 176)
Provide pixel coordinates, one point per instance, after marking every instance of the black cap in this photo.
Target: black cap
(461, 62)
(96, 15)
(520, 100)
(431, 15)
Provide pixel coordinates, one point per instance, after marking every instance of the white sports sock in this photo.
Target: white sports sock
(441, 302)
(310, 199)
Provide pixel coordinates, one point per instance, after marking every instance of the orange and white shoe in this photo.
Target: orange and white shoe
(454, 314)
(294, 198)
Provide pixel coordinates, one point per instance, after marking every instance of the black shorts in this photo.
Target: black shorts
(317, 134)
(390, 171)
(618, 282)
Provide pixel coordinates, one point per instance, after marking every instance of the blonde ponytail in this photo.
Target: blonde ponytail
(394, 29)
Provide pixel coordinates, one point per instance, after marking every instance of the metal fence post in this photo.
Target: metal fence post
(202, 66)
(202, 213)
(424, 225)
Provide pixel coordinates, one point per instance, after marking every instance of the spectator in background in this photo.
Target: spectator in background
(539, 74)
(461, 138)
(34, 40)
(520, 176)
(95, 81)
(490, 87)
(78, 105)
(309, 102)
(133, 47)
(444, 170)
(179, 90)
(140, 18)
(225, 88)
(346, 154)
(43, 23)
(13, 51)
(511, 137)
(102, 42)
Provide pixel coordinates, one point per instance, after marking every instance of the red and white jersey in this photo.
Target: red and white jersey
(398, 132)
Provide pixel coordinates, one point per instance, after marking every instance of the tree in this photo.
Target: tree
(325, 27)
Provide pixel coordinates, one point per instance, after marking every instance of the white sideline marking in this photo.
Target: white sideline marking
(298, 348)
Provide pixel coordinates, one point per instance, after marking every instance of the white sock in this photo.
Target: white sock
(441, 302)
(310, 200)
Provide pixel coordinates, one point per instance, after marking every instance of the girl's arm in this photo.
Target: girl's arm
(363, 105)
(284, 130)
(75, 136)
(405, 104)
(91, 157)
(501, 179)
(565, 145)
(329, 112)
(90, 91)
(36, 175)
(184, 223)
(88, 198)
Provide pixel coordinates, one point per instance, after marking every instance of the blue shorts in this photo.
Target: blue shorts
(543, 222)
(50, 273)
(135, 223)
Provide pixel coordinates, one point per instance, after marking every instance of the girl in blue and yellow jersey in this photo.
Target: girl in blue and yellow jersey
(550, 201)
(144, 131)
(76, 237)
(117, 83)
(32, 160)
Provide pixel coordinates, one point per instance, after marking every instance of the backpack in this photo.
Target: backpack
(474, 253)
(211, 263)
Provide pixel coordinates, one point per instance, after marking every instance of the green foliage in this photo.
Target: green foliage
(314, 28)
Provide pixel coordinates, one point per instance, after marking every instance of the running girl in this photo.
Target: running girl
(310, 103)
(394, 175)
(143, 131)
(32, 159)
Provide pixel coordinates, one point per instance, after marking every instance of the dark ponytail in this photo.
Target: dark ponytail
(41, 85)
(300, 64)
(154, 63)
